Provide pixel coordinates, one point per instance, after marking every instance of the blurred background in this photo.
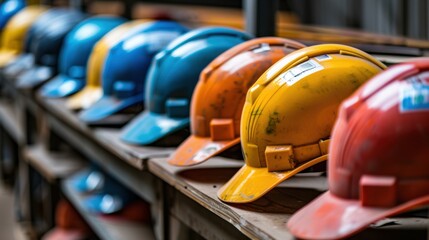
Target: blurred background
(391, 17)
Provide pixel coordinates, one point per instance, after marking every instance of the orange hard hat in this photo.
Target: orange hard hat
(218, 99)
(68, 224)
(68, 218)
(379, 156)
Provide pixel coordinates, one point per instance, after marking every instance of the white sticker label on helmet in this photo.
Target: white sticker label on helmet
(302, 70)
(414, 97)
(205, 152)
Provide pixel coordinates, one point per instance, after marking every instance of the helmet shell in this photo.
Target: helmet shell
(75, 51)
(126, 66)
(172, 78)
(12, 38)
(92, 91)
(289, 114)
(45, 47)
(219, 96)
(378, 156)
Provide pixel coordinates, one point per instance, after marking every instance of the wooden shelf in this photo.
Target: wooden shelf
(125, 167)
(108, 139)
(134, 155)
(53, 166)
(10, 121)
(107, 228)
(265, 218)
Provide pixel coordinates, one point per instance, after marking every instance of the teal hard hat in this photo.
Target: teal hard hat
(7, 9)
(74, 55)
(171, 80)
(125, 69)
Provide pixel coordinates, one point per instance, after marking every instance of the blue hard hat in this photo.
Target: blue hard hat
(8, 9)
(171, 81)
(110, 198)
(126, 67)
(74, 55)
(26, 60)
(42, 23)
(89, 181)
(45, 47)
(104, 194)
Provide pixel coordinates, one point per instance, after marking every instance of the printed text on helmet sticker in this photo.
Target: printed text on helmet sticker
(414, 97)
(296, 73)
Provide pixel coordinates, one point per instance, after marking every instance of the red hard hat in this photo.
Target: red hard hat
(379, 156)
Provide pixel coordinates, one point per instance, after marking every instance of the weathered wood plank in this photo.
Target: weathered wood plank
(107, 139)
(107, 228)
(10, 122)
(111, 139)
(141, 182)
(52, 165)
(265, 218)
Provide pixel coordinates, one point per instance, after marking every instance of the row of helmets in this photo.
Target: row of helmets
(9, 8)
(283, 101)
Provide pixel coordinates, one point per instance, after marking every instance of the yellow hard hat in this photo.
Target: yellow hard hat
(289, 114)
(92, 92)
(12, 38)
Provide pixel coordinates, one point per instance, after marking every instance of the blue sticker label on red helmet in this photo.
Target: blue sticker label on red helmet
(415, 97)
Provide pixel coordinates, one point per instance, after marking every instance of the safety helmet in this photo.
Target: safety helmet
(12, 38)
(219, 96)
(68, 224)
(92, 90)
(110, 198)
(46, 46)
(126, 68)
(378, 164)
(289, 113)
(25, 61)
(9, 8)
(75, 52)
(171, 81)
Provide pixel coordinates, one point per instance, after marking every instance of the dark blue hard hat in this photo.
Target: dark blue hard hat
(26, 60)
(46, 45)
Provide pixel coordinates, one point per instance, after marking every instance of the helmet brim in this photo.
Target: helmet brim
(251, 183)
(35, 76)
(22, 63)
(108, 106)
(331, 217)
(6, 57)
(85, 98)
(148, 127)
(195, 150)
(61, 86)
